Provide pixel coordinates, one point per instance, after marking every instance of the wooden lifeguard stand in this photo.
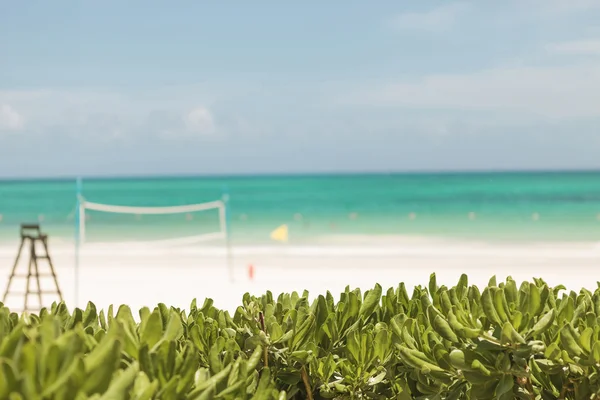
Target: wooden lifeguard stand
(30, 235)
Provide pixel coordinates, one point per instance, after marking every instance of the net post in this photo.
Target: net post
(78, 212)
(226, 222)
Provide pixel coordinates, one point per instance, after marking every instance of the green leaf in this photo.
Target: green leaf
(382, 344)
(535, 304)
(586, 339)
(101, 363)
(543, 324)
(143, 389)
(505, 386)
(353, 345)
(301, 356)
(212, 382)
(442, 327)
(262, 390)
(417, 359)
(301, 335)
(500, 304)
(371, 301)
(152, 329)
(569, 342)
(510, 335)
(120, 386)
(374, 380)
(8, 378)
(596, 352)
(489, 308)
(461, 288)
(433, 287)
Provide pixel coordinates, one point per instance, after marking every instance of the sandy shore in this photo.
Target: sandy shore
(141, 275)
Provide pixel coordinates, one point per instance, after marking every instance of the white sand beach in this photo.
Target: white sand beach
(143, 275)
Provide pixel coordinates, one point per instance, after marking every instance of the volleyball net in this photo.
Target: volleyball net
(163, 226)
(162, 231)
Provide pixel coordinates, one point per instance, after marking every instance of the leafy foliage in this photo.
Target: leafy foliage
(509, 341)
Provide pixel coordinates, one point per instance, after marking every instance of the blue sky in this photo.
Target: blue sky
(108, 88)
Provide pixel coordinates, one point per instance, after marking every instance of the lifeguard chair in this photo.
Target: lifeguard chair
(30, 236)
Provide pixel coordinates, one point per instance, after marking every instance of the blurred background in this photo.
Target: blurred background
(362, 142)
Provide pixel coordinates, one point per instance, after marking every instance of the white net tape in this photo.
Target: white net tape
(152, 210)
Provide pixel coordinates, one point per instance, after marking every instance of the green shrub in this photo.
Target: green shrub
(527, 341)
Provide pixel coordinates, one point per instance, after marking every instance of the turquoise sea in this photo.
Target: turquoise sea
(540, 206)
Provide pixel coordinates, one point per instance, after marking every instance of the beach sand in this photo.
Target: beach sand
(142, 275)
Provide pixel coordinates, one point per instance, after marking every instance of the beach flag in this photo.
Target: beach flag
(280, 234)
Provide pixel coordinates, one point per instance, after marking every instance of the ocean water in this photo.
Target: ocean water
(549, 206)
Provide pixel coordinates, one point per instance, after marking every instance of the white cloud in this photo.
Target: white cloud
(437, 19)
(107, 115)
(10, 119)
(200, 120)
(567, 91)
(576, 47)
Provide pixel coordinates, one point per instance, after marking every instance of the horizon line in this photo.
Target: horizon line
(297, 174)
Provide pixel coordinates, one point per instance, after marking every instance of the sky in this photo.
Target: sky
(151, 87)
